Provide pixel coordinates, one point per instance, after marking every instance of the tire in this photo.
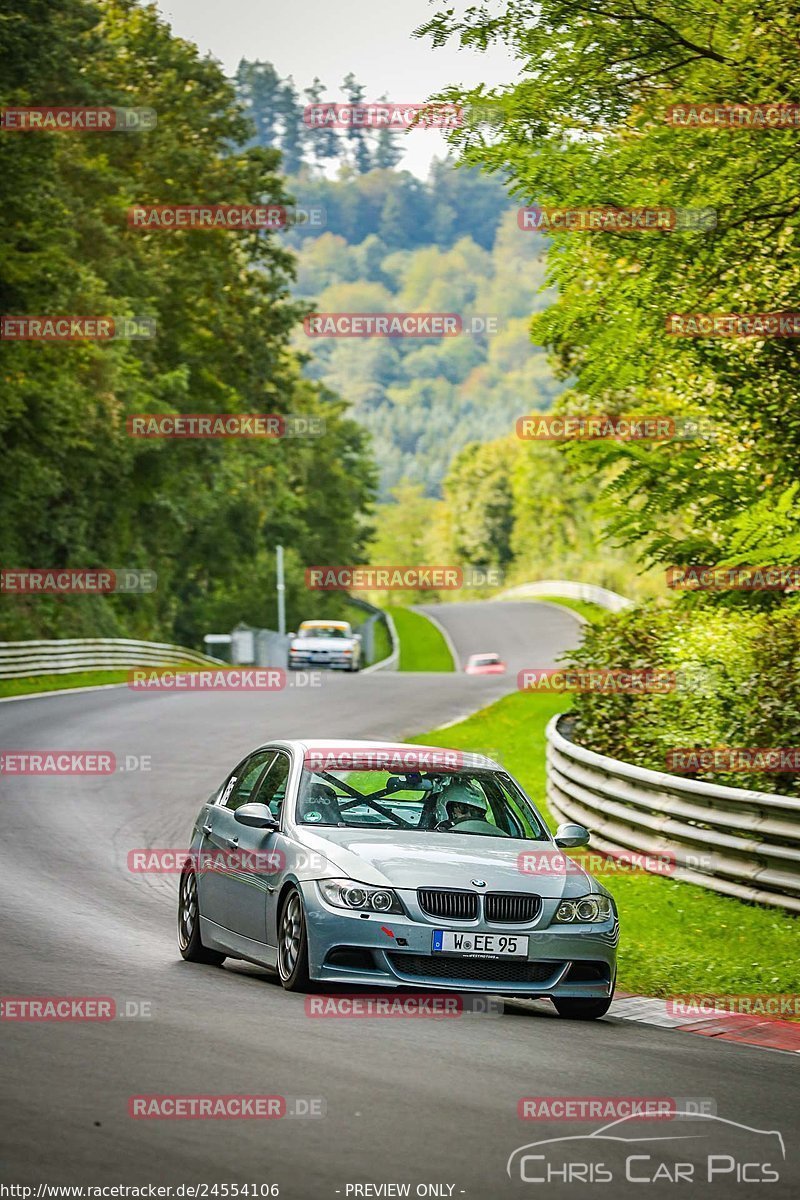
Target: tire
(574, 1009)
(293, 944)
(189, 943)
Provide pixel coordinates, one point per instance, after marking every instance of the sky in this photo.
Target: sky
(329, 38)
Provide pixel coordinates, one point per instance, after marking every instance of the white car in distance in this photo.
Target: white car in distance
(325, 644)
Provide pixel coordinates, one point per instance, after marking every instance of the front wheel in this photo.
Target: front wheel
(189, 943)
(582, 1010)
(293, 944)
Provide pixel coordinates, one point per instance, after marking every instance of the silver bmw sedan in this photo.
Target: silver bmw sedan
(394, 865)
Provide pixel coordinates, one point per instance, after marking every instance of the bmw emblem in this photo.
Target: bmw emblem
(479, 882)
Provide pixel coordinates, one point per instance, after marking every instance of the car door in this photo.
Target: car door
(247, 889)
(272, 790)
(221, 836)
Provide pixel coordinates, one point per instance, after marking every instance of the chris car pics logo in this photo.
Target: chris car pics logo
(696, 1147)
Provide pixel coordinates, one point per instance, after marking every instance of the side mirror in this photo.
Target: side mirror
(257, 816)
(292, 634)
(567, 836)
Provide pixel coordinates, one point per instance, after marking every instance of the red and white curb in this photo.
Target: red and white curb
(752, 1030)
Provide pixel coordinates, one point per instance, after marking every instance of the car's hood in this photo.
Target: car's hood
(407, 859)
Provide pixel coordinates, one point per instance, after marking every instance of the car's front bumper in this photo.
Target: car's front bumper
(307, 661)
(396, 952)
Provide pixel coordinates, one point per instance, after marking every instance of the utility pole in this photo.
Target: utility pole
(281, 589)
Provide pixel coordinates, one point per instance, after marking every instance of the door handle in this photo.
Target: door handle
(234, 842)
(207, 830)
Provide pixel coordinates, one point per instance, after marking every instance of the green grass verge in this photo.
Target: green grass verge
(422, 647)
(584, 608)
(31, 684)
(381, 643)
(676, 937)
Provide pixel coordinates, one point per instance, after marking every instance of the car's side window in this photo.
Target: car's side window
(272, 789)
(240, 787)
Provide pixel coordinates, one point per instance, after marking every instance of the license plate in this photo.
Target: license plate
(495, 945)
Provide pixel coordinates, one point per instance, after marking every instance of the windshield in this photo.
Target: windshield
(322, 631)
(481, 803)
(485, 660)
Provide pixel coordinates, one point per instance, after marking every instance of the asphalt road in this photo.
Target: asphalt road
(410, 1101)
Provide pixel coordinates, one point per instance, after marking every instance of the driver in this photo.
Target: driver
(320, 805)
(464, 802)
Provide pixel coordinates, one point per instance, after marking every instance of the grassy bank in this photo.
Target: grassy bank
(584, 608)
(675, 937)
(422, 647)
(31, 684)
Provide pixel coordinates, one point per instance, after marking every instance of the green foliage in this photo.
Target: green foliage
(79, 491)
(423, 400)
(585, 126)
(736, 675)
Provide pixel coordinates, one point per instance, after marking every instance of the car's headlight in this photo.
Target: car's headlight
(344, 893)
(585, 910)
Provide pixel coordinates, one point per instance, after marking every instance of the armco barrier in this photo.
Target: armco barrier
(61, 657)
(735, 841)
(570, 591)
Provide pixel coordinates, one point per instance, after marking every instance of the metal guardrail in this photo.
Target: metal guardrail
(735, 841)
(65, 655)
(570, 591)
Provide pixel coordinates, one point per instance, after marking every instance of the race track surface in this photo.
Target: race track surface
(414, 1101)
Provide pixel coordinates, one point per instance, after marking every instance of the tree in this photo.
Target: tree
(323, 141)
(588, 125)
(387, 153)
(79, 491)
(293, 129)
(258, 86)
(355, 134)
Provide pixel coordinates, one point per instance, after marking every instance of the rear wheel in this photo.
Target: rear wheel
(293, 944)
(189, 943)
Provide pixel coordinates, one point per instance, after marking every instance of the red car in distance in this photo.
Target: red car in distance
(485, 664)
